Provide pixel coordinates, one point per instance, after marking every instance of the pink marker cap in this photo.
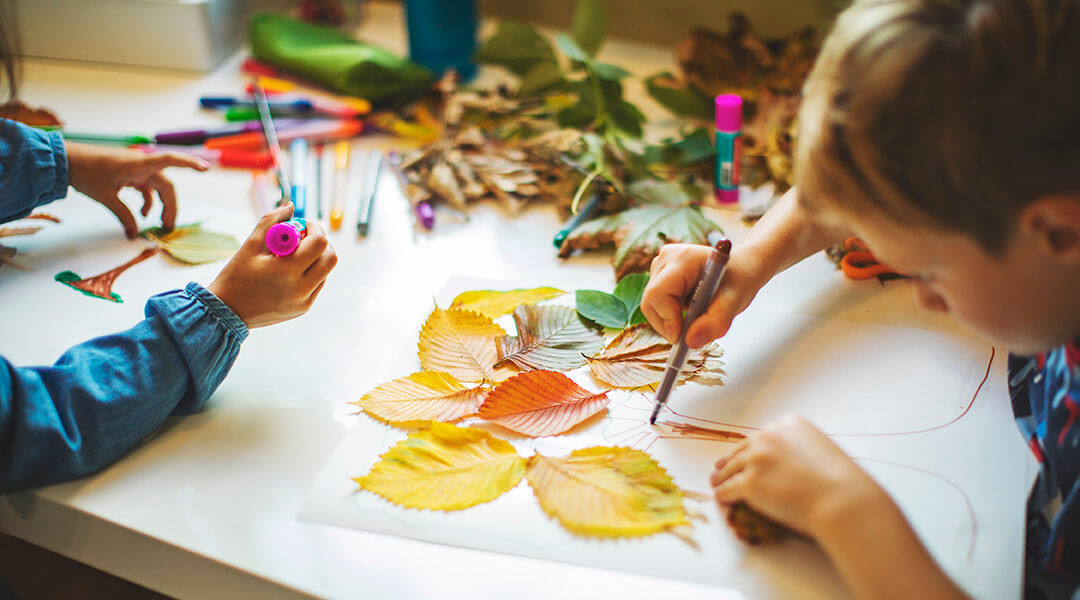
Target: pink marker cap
(728, 113)
(283, 238)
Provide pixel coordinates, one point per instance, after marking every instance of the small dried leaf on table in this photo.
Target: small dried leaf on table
(607, 492)
(192, 244)
(495, 303)
(462, 342)
(549, 337)
(445, 467)
(754, 528)
(541, 403)
(423, 396)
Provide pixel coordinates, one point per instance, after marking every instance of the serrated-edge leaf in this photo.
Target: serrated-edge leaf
(445, 467)
(549, 337)
(638, 356)
(541, 403)
(422, 396)
(461, 342)
(496, 303)
(601, 308)
(607, 492)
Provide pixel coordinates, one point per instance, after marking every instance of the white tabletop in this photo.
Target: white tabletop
(207, 507)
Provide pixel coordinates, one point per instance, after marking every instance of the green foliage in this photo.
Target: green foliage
(682, 100)
(589, 25)
(694, 148)
(517, 47)
(617, 310)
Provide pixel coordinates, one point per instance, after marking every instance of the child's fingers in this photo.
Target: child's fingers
(662, 303)
(167, 193)
(322, 266)
(177, 159)
(735, 464)
(278, 215)
(148, 199)
(731, 490)
(713, 324)
(123, 213)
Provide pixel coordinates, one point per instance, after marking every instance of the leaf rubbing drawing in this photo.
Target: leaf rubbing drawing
(549, 337)
(638, 355)
(423, 396)
(100, 286)
(607, 492)
(462, 343)
(494, 303)
(192, 244)
(539, 403)
(445, 467)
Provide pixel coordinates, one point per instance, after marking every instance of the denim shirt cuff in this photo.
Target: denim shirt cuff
(61, 171)
(219, 310)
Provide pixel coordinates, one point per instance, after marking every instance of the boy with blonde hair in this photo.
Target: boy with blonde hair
(946, 135)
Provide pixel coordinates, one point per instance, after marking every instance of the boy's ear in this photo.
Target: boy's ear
(1054, 224)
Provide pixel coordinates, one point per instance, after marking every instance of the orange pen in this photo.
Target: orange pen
(341, 180)
(317, 130)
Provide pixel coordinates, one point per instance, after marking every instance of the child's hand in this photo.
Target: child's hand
(263, 289)
(101, 173)
(793, 474)
(673, 276)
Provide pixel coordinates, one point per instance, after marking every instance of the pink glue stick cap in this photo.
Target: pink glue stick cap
(728, 113)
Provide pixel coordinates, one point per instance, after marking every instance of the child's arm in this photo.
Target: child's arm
(794, 474)
(783, 237)
(37, 166)
(105, 395)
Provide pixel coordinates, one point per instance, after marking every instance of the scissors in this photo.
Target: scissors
(857, 262)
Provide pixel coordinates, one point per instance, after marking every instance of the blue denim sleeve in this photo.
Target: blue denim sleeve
(33, 169)
(105, 395)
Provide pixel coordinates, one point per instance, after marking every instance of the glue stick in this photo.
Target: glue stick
(728, 124)
(283, 238)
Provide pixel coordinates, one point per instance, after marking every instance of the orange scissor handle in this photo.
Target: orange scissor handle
(861, 264)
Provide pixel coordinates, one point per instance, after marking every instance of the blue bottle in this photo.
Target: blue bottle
(442, 34)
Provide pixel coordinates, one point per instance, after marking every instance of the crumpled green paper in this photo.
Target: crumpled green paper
(333, 59)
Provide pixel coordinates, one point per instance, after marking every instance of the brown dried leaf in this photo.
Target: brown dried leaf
(638, 355)
(753, 528)
(549, 337)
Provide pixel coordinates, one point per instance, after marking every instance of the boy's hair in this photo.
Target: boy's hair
(945, 113)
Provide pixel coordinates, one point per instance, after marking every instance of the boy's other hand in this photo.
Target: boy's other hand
(264, 289)
(674, 275)
(101, 173)
(792, 473)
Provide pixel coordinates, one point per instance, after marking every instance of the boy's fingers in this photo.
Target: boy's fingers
(319, 269)
(662, 303)
(148, 199)
(275, 216)
(178, 159)
(735, 464)
(732, 490)
(167, 193)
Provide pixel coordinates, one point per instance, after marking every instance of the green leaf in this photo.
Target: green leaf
(629, 290)
(638, 317)
(589, 24)
(696, 147)
(627, 118)
(609, 71)
(682, 100)
(578, 116)
(540, 77)
(517, 47)
(570, 48)
(660, 193)
(639, 233)
(601, 308)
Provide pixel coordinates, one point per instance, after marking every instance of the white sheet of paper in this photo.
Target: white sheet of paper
(925, 413)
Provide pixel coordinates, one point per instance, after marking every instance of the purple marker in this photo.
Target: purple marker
(283, 238)
(194, 137)
(426, 214)
(728, 124)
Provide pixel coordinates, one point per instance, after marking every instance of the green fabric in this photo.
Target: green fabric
(332, 58)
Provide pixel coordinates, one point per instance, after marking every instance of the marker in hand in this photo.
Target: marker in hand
(283, 238)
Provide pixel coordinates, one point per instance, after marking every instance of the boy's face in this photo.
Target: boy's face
(1016, 299)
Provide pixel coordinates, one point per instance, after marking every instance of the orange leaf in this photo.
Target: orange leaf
(541, 403)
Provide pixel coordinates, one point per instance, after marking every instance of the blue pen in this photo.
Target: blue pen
(299, 105)
(298, 154)
(586, 212)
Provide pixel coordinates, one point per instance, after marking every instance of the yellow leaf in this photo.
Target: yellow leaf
(445, 467)
(462, 343)
(494, 303)
(423, 396)
(607, 492)
(193, 244)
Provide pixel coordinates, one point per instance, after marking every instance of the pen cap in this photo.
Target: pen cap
(728, 113)
(283, 238)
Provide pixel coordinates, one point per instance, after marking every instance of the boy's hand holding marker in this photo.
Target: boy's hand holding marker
(264, 289)
(101, 173)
